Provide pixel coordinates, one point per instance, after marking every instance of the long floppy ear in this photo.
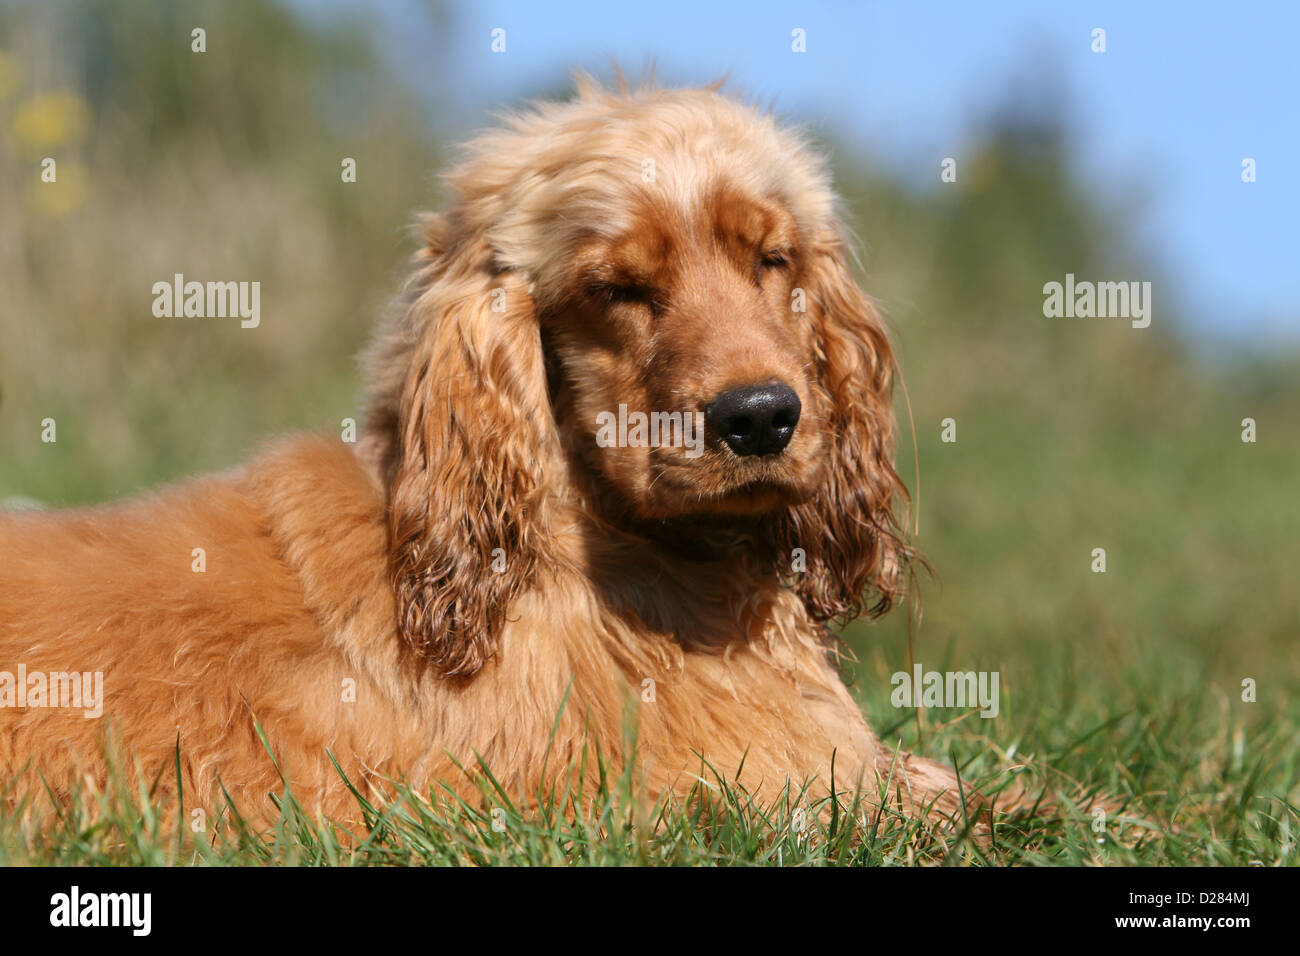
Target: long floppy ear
(467, 475)
(849, 530)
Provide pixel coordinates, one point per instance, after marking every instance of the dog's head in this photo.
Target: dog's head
(644, 295)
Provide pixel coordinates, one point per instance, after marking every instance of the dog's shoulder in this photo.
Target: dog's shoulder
(322, 506)
(315, 472)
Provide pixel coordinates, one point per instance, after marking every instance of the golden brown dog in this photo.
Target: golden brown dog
(629, 439)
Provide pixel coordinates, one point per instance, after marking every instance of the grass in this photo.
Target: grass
(1193, 793)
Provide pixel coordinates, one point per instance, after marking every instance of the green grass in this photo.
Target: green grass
(1189, 790)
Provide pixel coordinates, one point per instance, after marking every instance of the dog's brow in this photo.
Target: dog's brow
(635, 260)
(616, 274)
(745, 225)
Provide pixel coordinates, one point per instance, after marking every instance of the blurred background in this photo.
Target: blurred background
(1072, 434)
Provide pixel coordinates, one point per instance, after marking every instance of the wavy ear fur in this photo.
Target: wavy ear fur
(849, 531)
(466, 468)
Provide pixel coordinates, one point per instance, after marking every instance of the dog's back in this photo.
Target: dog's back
(195, 611)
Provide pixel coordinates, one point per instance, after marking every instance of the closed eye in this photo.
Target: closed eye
(618, 292)
(774, 260)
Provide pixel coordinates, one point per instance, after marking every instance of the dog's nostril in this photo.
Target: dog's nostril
(741, 425)
(755, 419)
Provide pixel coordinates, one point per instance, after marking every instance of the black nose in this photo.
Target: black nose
(755, 419)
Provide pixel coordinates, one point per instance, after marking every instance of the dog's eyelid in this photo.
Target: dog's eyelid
(619, 293)
(619, 288)
(777, 258)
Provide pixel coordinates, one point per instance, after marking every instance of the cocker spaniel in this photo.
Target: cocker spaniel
(628, 447)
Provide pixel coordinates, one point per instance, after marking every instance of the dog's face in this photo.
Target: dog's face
(691, 372)
(650, 288)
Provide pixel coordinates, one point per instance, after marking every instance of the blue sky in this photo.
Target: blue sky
(1159, 124)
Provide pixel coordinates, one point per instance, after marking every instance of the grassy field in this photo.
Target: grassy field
(1071, 435)
(1195, 791)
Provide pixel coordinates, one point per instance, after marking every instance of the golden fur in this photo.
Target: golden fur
(476, 557)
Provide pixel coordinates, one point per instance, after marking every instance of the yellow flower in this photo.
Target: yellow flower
(50, 119)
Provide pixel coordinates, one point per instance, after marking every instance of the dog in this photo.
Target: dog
(627, 451)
